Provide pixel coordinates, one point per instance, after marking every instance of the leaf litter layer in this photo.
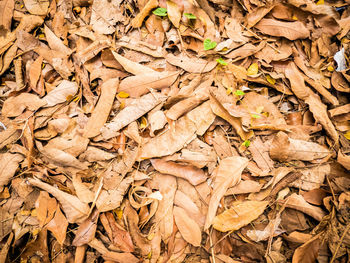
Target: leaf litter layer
(174, 131)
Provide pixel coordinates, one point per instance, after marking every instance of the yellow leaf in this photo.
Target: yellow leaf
(143, 123)
(270, 79)
(330, 68)
(294, 17)
(123, 94)
(25, 212)
(34, 212)
(347, 135)
(119, 213)
(253, 69)
(320, 2)
(229, 90)
(35, 231)
(259, 109)
(241, 214)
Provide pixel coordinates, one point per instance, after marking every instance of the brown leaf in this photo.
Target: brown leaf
(192, 65)
(227, 174)
(130, 113)
(174, 12)
(344, 160)
(286, 149)
(170, 141)
(297, 202)
(34, 74)
(61, 93)
(188, 228)
(9, 163)
(191, 173)
(75, 210)
(86, 231)
(58, 226)
(46, 207)
(239, 215)
(131, 66)
(308, 252)
(14, 106)
(37, 7)
(55, 43)
(6, 13)
(290, 30)
(164, 216)
(141, 84)
(138, 20)
(101, 112)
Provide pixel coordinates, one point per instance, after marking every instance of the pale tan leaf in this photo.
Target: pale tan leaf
(284, 149)
(105, 14)
(245, 51)
(239, 215)
(61, 93)
(191, 173)
(192, 65)
(83, 191)
(14, 106)
(188, 228)
(227, 174)
(130, 113)
(60, 157)
(290, 30)
(244, 187)
(312, 178)
(260, 154)
(86, 231)
(58, 226)
(202, 116)
(75, 210)
(170, 141)
(35, 72)
(9, 163)
(131, 66)
(174, 12)
(94, 154)
(55, 43)
(344, 160)
(101, 112)
(164, 216)
(37, 7)
(340, 110)
(141, 84)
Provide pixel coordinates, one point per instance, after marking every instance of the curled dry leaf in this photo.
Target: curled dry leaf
(75, 210)
(290, 30)
(227, 174)
(188, 228)
(284, 149)
(131, 66)
(239, 215)
(86, 231)
(101, 112)
(308, 252)
(191, 173)
(138, 20)
(14, 106)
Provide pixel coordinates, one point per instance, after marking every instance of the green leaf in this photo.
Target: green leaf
(246, 143)
(255, 116)
(190, 16)
(208, 44)
(221, 61)
(239, 93)
(160, 11)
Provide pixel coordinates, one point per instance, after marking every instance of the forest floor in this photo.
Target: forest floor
(175, 131)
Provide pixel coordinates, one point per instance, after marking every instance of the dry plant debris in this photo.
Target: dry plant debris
(175, 131)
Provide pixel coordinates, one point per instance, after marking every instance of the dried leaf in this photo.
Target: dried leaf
(58, 226)
(74, 209)
(239, 215)
(308, 252)
(192, 65)
(86, 231)
(101, 112)
(290, 30)
(37, 7)
(191, 173)
(14, 106)
(138, 20)
(227, 174)
(9, 163)
(6, 13)
(61, 93)
(188, 228)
